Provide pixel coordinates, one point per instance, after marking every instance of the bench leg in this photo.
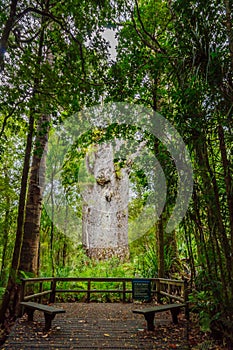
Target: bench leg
(48, 321)
(150, 321)
(175, 313)
(30, 314)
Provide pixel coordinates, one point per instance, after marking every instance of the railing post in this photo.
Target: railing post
(53, 291)
(153, 287)
(40, 290)
(124, 293)
(21, 297)
(169, 292)
(23, 290)
(186, 297)
(88, 290)
(158, 287)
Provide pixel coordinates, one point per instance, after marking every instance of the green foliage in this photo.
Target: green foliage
(205, 299)
(146, 263)
(26, 274)
(82, 266)
(204, 304)
(1, 292)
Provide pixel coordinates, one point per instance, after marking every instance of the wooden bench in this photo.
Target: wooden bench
(49, 312)
(149, 313)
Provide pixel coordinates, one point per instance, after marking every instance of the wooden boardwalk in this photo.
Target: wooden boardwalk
(96, 326)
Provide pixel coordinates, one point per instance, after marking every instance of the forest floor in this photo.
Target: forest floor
(110, 326)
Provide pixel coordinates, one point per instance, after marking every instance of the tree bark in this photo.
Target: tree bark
(6, 229)
(228, 24)
(211, 193)
(30, 246)
(12, 294)
(160, 248)
(105, 209)
(227, 178)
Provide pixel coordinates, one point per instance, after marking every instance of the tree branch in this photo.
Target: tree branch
(9, 115)
(6, 32)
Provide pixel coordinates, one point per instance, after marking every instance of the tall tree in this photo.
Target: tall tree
(105, 226)
(30, 32)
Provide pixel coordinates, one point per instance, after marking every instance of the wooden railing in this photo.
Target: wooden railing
(36, 288)
(172, 289)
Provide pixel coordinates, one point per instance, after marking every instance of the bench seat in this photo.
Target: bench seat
(49, 312)
(149, 313)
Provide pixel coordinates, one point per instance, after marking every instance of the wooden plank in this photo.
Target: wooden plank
(149, 313)
(158, 308)
(45, 308)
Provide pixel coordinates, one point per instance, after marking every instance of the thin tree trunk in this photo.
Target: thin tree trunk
(12, 295)
(160, 248)
(51, 248)
(210, 190)
(188, 239)
(228, 24)
(228, 179)
(52, 224)
(200, 241)
(64, 254)
(26, 167)
(6, 229)
(30, 246)
(5, 242)
(64, 250)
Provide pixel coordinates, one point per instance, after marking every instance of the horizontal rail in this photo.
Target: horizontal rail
(175, 297)
(171, 282)
(92, 291)
(28, 297)
(83, 279)
(37, 279)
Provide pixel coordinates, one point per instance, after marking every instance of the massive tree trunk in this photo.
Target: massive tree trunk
(105, 209)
